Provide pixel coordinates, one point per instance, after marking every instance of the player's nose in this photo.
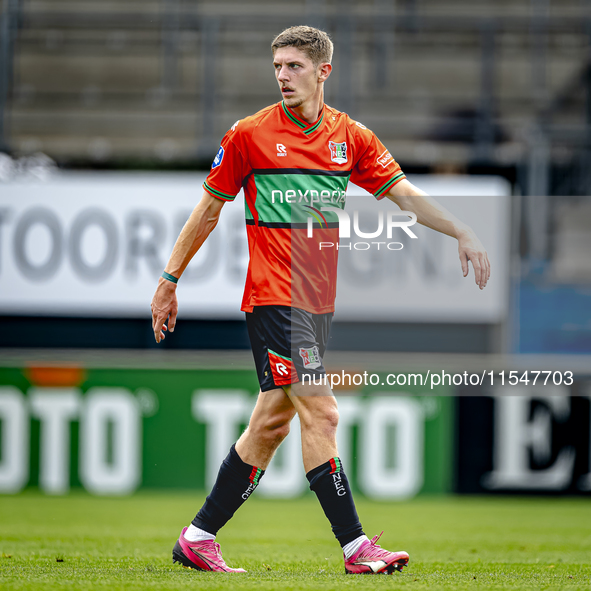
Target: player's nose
(282, 75)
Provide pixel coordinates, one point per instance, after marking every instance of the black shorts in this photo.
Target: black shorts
(287, 343)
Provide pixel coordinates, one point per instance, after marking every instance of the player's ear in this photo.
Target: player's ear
(324, 71)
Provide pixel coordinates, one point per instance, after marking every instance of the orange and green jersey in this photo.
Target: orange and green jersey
(290, 170)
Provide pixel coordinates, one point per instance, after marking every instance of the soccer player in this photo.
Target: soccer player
(293, 159)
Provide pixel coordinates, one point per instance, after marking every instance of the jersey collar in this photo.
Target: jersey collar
(307, 128)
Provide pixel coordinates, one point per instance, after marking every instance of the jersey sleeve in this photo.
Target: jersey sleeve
(229, 168)
(376, 171)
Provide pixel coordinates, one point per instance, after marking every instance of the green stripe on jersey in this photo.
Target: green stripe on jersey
(224, 196)
(247, 213)
(300, 124)
(391, 182)
(296, 121)
(315, 127)
(282, 198)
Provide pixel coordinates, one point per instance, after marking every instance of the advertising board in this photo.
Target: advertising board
(95, 244)
(114, 431)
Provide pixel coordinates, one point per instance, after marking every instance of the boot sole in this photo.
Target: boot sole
(388, 570)
(178, 557)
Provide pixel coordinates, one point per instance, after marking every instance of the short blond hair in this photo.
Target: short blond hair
(316, 44)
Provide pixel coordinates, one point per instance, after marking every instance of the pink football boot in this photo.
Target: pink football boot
(371, 559)
(204, 555)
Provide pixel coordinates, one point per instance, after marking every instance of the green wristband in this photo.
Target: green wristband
(169, 277)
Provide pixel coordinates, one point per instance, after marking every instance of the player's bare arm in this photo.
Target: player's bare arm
(201, 222)
(435, 216)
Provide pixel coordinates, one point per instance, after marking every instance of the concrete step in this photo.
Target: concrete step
(429, 7)
(458, 73)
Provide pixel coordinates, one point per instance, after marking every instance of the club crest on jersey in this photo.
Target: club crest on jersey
(338, 152)
(311, 357)
(218, 158)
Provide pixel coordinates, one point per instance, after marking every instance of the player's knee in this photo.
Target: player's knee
(331, 419)
(274, 428)
(279, 432)
(324, 419)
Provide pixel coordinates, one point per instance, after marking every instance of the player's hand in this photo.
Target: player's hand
(164, 305)
(471, 249)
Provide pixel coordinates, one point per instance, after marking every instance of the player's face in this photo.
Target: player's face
(299, 80)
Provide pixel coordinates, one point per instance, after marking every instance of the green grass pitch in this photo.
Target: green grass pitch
(84, 542)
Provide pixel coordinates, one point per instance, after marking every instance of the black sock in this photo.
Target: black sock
(236, 481)
(331, 486)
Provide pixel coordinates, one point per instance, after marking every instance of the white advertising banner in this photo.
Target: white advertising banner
(95, 244)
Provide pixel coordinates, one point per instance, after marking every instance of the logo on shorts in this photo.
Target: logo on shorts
(385, 159)
(218, 158)
(311, 357)
(338, 152)
(282, 369)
